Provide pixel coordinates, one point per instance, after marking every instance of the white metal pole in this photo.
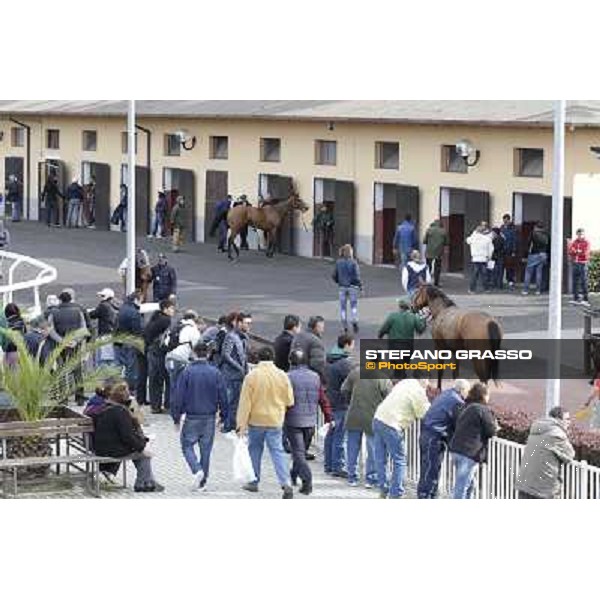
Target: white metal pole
(131, 198)
(556, 272)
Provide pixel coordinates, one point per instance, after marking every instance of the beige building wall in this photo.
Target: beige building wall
(420, 161)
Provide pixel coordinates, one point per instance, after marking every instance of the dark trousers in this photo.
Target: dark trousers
(300, 438)
(435, 268)
(158, 378)
(580, 280)
(432, 448)
(234, 387)
(141, 389)
(478, 273)
(51, 211)
(244, 238)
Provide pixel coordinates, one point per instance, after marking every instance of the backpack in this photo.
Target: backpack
(170, 339)
(218, 347)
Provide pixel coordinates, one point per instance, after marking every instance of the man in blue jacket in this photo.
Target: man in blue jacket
(437, 428)
(199, 395)
(509, 232)
(129, 321)
(164, 279)
(405, 240)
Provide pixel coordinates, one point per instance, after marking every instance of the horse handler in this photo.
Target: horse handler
(178, 221)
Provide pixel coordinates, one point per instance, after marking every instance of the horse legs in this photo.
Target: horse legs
(270, 244)
(231, 244)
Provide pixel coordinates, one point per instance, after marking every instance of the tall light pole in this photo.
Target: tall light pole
(556, 272)
(131, 197)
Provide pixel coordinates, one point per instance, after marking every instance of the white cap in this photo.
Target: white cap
(106, 293)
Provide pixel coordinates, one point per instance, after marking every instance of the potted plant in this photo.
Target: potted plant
(36, 392)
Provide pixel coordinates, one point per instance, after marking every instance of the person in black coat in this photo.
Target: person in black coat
(117, 434)
(106, 312)
(50, 195)
(283, 342)
(164, 279)
(475, 426)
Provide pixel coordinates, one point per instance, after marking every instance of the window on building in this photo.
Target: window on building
(90, 141)
(529, 162)
(270, 149)
(387, 155)
(219, 146)
(172, 145)
(452, 161)
(125, 142)
(17, 137)
(325, 152)
(53, 139)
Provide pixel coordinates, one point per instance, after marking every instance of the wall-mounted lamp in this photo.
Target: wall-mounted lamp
(331, 126)
(187, 141)
(468, 152)
(1, 135)
(595, 150)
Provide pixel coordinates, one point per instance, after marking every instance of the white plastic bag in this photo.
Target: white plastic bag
(243, 471)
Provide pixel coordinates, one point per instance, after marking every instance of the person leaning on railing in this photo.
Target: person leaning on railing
(548, 449)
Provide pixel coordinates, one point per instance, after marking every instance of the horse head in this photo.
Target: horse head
(421, 297)
(296, 203)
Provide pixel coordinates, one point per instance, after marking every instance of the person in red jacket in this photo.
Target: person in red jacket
(579, 251)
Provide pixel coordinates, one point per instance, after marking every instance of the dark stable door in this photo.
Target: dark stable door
(343, 215)
(101, 172)
(184, 182)
(407, 203)
(455, 226)
(143, 208)
(59, 170)
(216, 189)
(280, 188)
(388, 233)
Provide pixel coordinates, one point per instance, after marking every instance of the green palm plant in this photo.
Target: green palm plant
(35, 389)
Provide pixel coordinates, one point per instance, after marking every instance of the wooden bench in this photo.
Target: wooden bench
(91, 461)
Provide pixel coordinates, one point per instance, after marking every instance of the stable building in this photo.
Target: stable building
(369, 162)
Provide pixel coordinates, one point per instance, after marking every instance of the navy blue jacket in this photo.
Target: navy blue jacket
(129, 319)
(306, 385)
(405, 239)
(75, 191)
(510, 239)
(164, 282)
(346, 273)
(441, 417)
(339, 365)
(200, 392)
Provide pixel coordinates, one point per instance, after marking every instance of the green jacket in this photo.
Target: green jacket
(402, 325)
(178, 216)
(365, 396)
(435, 240)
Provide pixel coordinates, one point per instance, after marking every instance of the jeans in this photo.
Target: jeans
(298, 437)
(257, 436)
(16, 210)
(353, 444)
(144, 475)
(158, 378)
(198, 430)
(435, 268)
(535, 265)
(497, 275)
(389, 443)
(478, 273)
(432, 447)
(465, 476)
(223, 227)
(51, 212)
(126, 357)
(123, 217)
(158, 224)
(348, 293)
(335, 460)
(74, 212)
(234, 387)
(580, 272)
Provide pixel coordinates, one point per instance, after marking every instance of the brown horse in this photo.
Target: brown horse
(454, 328)
(268, 218)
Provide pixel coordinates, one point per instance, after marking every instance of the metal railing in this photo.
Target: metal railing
(47, 274)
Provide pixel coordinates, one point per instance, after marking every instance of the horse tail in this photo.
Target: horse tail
(495, 337)
(217, 221)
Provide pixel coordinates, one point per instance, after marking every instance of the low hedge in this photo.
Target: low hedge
(515, 424)
(594, 271)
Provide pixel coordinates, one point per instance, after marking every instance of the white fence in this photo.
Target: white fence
(497, 478)
(46, 274)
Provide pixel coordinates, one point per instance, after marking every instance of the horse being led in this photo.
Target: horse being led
(267, 218)
(454, 328)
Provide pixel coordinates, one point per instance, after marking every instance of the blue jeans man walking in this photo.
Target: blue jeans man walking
(535, 268)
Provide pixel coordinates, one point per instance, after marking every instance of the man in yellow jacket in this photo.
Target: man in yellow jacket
(265, 396)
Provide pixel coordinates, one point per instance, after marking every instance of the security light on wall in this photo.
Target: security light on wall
(187, 141)
(595, 150)
(468, 152)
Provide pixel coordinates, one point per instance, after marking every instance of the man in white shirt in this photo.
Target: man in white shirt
(407, 401)
(482, 249)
